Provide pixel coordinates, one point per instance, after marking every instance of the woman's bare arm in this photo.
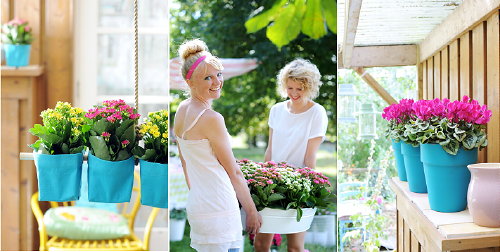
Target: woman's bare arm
(312, 149)
(268, 155)
(184, 167)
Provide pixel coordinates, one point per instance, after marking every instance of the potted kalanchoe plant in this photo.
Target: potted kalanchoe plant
(450, 134)
(398, 115)
(286, 197)
(111, 163)
(58, 152)
(16, 40)
(153, 158)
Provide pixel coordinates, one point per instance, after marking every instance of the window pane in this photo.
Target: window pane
(119, 13)
(116, 65)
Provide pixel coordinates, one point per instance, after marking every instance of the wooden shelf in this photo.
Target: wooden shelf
(28, 71)
(420, 228)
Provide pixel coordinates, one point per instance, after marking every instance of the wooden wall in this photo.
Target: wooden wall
(52, 24)
(52, 48)
(469, 65)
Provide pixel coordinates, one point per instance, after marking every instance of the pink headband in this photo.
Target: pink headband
(193, 67)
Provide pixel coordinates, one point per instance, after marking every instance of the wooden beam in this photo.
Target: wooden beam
(462, 19)
(382, 56)
(375, 85)
(353, 8)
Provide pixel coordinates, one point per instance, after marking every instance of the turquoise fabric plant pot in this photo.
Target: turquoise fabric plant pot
(414, 168)
(59, 176)
(447, 177)
(400, 163)
(154, 184)
(17, 55)
(110, 182)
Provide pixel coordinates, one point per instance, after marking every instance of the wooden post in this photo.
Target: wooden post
(375, 85)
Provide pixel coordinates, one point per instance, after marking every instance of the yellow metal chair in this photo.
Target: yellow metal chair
(127, 243)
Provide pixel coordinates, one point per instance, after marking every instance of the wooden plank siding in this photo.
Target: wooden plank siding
(52, 50)
(470, 65)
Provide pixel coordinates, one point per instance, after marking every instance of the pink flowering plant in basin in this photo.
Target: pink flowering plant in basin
(113, 136)
(399, 115)
(453, 125)
(281, 186)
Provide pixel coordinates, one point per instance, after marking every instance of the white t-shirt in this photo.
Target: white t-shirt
(291, 132)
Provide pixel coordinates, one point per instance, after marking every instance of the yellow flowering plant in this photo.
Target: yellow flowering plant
(154, 132)
(65, 130)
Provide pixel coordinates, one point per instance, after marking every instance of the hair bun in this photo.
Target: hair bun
(192, 47)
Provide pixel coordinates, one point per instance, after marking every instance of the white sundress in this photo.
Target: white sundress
(212, 207)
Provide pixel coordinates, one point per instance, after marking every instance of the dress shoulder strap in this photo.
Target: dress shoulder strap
(194, 122)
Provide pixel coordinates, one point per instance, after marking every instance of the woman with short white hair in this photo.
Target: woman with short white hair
(297, 127)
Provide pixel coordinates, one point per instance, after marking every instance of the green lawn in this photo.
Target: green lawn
(183, 246)
(325, 164)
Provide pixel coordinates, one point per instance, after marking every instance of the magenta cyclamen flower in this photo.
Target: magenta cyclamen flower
(399, 112)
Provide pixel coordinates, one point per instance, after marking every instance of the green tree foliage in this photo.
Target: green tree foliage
(311, 17)
(247, 99)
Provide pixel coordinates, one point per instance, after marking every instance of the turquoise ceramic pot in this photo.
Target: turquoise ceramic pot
(17, 55)
(400, 163)
(414, 168)
(447, 177)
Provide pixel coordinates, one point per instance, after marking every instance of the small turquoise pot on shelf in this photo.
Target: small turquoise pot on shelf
(400, 163)
(447, 177)
(110, 181)
(17, 55)
(414, 168)
(59, 176)
(154, 184)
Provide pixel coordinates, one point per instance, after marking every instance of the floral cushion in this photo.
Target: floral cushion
(80, 223)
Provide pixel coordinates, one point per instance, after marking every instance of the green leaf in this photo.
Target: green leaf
(261, 20)
(128, 134)
(138, 152)
(76, 150)
(102, 126)
(299, 214)
(470, 141)
(35, 145)
(149, 154)
(330, 13)
(313, 24)
(275, 197)
(452, 147)
(286, 27)
(256, 200)
(51, 138)
(99, 147)
(122, 155)
(38, 130)
(124, 126)
(65, 148)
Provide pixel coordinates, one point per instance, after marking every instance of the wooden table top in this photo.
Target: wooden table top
(448, 230)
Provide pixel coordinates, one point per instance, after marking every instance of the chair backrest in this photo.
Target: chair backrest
(128, 209)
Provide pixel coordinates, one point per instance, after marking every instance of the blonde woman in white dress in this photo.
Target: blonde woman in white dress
(297, 127)
(215, 181)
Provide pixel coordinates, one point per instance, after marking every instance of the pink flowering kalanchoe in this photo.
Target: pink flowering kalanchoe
(113, 133)
(281, 186)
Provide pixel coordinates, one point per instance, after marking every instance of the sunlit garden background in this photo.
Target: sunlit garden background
(365, 202)
(247, 99)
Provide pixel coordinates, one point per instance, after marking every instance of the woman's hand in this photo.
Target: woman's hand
(254, 221)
